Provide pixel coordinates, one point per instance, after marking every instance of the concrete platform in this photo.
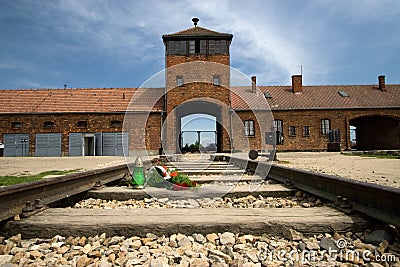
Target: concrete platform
(125, 193)
(88, 222)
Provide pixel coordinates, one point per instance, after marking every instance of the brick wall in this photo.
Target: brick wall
(339, 119)
(197, 75)
(66, 123)
(172, 60)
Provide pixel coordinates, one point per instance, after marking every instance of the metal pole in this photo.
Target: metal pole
(198, 138)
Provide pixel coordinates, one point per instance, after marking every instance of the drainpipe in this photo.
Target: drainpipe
(346, 132)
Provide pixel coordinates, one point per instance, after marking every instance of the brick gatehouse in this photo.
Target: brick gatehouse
(104, 121)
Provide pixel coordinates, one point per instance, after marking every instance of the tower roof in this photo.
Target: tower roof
(197, 32)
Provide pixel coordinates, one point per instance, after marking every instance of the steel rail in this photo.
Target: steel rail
(376, 201)
(14, 198)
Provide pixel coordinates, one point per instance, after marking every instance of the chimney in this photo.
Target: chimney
(253, 84)
(381, 82)
(297, 84)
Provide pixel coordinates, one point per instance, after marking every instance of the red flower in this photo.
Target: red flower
(173, 174)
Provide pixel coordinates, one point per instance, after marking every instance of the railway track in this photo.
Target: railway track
(376, 201)
(239, 207)
(14, 199)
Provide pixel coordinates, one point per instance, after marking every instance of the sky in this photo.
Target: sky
(93, 43)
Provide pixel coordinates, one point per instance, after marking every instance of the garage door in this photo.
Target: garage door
(48, 145)
(114, 144)
(16, 145)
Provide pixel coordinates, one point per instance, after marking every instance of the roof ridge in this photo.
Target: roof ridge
(80, 88)
(196, 31)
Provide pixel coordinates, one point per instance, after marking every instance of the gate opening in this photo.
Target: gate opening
(198, 133)
(376, 132)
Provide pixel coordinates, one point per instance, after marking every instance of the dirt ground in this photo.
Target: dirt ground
(367, 169)
(35, 165)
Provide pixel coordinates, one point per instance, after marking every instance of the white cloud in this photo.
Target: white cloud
(272, 39)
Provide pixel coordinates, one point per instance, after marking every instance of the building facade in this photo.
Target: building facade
(118, 121)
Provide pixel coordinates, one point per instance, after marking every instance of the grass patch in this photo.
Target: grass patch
(374, 156)
(282, 161)
(26, 178)
(382, 156)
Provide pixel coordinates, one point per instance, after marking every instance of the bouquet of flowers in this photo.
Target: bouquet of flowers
(163, 177)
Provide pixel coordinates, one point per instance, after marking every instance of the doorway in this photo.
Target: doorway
(89, 145)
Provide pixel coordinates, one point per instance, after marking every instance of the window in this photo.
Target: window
(48, 125)
(203, 46)
(82, 124)
(306, 130)
(267, 95)
(218, 47)
(292, 131)
(343, 94)
(16, 125)
(179, 80)
(194, 47)
(278, 124)
(216, 80)
(249, 128)
(116, 124)
(176, 47)
(325, 126)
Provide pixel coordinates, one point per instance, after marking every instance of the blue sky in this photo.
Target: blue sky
(93, 43)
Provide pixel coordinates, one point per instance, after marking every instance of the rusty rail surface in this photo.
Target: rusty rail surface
(377, 201)
(14, 198)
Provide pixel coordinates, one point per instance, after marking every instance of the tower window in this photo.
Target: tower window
(179, 80)
(249, 128)
(194, 46)
(216, 80)
(218, 47)
(176, 47)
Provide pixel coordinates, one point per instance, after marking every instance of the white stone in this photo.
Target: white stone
(4, 259)
(227, 238)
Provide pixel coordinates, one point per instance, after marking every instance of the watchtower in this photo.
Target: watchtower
(197, 81)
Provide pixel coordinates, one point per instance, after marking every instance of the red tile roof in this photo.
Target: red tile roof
(319, 97)
(83, 100)
(111, 100)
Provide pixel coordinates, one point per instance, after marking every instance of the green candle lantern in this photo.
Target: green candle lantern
(138, 178)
